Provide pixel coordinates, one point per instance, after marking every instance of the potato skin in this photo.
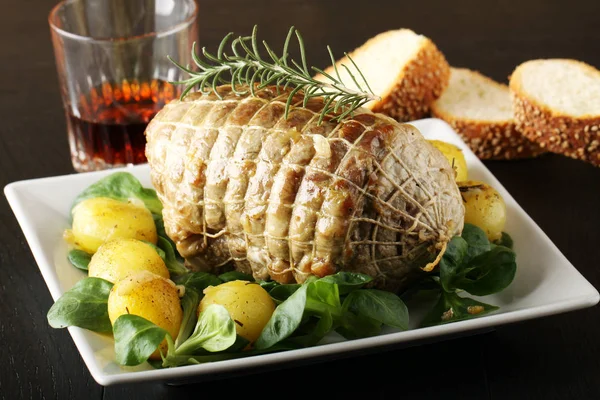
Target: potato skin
(119, 258)
(455, 157)
(484, 208)
(100, 219)
(149, 296)
(249, 305)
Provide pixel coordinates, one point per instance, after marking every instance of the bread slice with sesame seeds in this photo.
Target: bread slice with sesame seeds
(405, 69)
(556, 103)
(480, 111)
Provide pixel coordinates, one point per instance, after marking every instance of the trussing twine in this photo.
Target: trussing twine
(429, 267)
(399, 190)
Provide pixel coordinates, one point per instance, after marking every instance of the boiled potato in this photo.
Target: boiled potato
(249, 305)
(455, 157)
(101, 219)
(119, 258)
(484, 208)
(149, 296)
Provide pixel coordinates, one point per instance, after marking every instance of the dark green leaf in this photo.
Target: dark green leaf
(505, 240)
(79, 259)
(451, 308)
(282, 292)
(421, 288)
(320, 327)
(347, 281)
(168, 255)
(235, 276)
(160, 231)
(358, 326)
(189, 304)
(84, 305)
(239, 345)
(451, 264)
(176, 361)
(268, 285)
(136, 339)
(489, 272)
(122, 186)
(284, 321)
(197, 280)
(156, 364)
(215, 331)
(382, 306)
(477, 241)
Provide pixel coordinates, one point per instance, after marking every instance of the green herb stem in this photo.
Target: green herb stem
(244, 66)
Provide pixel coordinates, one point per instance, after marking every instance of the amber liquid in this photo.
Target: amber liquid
(109, 128)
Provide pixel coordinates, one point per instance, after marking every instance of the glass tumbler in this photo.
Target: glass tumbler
(114, 74)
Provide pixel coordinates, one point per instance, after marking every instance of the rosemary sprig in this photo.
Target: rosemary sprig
(245, 67)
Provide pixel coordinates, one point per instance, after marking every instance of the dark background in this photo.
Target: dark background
(556, 357)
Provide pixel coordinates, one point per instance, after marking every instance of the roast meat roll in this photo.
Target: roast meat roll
(245, 188)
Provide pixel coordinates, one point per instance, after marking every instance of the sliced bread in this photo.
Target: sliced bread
(405, 69)
(556, 103)
(480, 110)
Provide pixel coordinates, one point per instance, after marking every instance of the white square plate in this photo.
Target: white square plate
(546, 282)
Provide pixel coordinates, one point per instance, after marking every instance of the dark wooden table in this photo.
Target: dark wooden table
(556, 357)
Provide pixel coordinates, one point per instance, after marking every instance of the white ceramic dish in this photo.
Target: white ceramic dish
(546, 282)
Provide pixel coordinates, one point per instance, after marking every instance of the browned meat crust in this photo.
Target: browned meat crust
(284, 199)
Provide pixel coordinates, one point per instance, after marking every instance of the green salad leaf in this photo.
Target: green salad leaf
(323, 297)
(477, 241)
(235, 276)
(348, 281)
(490, 272)
(381, 306)
(285, 319)
(122, 186)
(451, 308)
(136, 339)
(474, 265)
(168, 255)
(281, 293)
(197, 281)
(85, 305)
(452, 263)
(215, 331)
(189, 304)
(308, 312)
(79, 259)
(505, 240)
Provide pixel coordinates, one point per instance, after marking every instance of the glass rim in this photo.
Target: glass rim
(174, 29)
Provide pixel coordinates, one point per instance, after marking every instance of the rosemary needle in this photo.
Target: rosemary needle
(244, 67)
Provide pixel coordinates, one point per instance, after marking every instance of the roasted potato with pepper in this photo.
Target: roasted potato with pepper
(249, 305)
(484, 208)
(119, 258)
(149, 296)
(455, 157)
(100, 219)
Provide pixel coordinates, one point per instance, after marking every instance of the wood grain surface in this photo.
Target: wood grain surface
(556, 357)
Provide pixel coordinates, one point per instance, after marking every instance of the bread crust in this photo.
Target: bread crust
(490, 140)
(418, 84)
(577, 137)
